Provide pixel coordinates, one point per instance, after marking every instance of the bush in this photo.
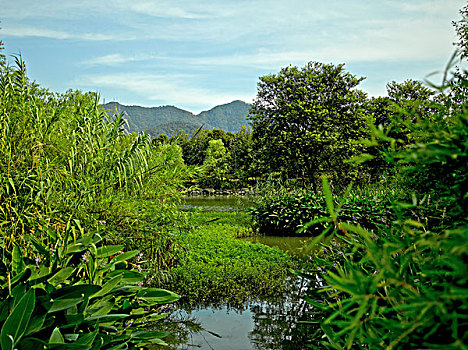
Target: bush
(301, 214)
(404, 284)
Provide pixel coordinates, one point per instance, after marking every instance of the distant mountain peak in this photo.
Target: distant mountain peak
(167, 119)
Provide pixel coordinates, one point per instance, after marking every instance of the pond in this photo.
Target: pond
(257, 325)
(269, 324)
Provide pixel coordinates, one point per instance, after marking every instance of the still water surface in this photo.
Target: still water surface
(261, 324)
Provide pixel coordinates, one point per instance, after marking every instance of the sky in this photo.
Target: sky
(199, 54)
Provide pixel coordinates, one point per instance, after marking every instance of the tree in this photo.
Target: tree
(241, 153)
(307, 120)
(411, 97)
(215, 165)
(461, 27)
(458, 85)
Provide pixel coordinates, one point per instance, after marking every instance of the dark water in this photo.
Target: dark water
(262, 324)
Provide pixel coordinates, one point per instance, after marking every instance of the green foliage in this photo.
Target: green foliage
(306, 121)
(215, 165)
(402, 285)
(303, 213)
(461, 28)
(216, 266)
(76, 294)
(66, 168)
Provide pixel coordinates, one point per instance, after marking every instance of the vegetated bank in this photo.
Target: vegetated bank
(72, 184)
(216, 267)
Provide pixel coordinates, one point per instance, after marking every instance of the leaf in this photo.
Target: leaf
(158, 296)
(63, 304)
(87, 339)
(125, 256)
(149, 335)
(106, 288)
(35, 323)
(328, 197)
(107, 318)
(17, 322)
(56, 337)
(61, 276)
(17, 261)
(75, 291)
(106, 251)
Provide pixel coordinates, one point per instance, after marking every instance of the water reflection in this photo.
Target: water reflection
(261, 325)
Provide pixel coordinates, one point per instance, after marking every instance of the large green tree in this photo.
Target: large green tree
(306, 121)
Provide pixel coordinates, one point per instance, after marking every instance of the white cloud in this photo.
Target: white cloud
(30, 31)
(118, 59)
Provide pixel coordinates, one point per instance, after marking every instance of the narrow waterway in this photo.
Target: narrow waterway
(271, 324)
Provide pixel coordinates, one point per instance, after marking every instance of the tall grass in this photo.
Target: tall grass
(67, 174)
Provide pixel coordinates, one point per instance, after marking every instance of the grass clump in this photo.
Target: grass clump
(217, 267)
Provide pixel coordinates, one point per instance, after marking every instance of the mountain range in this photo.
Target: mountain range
(169, 119)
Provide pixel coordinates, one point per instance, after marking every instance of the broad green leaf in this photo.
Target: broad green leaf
(156, 317)
(17, 260)
(74, 248)
(101, 307)
(63, 304)
(125, 256)
(35, 323)
(87, 339)
(158, 296)
(328, 197)
(106, 251)
(61, 276)
(107, 318)
(149, 334)
(106, 288)
(23, 275)
(75, 291)
(130, 278)
(17, 322)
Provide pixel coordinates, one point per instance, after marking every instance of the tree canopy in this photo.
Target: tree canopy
(306, 120)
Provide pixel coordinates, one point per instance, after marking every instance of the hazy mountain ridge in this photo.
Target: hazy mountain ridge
(168, 119)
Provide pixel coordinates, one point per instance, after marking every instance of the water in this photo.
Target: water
(261, 324)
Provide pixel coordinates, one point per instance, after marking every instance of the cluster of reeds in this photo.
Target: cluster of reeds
(65, 167)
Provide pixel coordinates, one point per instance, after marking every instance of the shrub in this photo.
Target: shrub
(404, 284)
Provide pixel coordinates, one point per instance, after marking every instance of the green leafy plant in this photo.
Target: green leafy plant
(65, 165)
(403, 284)
(77, 294)
(300, 214)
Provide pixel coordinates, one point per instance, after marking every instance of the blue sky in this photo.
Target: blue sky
(198, 54)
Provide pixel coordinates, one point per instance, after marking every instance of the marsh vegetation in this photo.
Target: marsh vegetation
(94, 243)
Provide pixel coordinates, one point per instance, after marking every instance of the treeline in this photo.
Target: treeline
(219, 156)
(306, 122)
